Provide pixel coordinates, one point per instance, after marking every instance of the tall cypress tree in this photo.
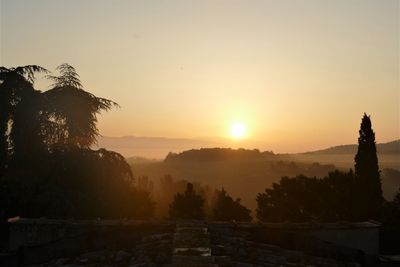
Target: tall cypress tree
(367, 174)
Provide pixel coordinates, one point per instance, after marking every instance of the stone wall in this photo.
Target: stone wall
(363, 236)
(354, 242)
(29, 232)
(31, 241)
(38, 240)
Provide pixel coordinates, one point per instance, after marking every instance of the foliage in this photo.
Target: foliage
(391, 214)
(68, 77)
(302, 198)
(79, 184)
(73, 110)
(390, 228)
(170, 186)
(233, 175)
(369, 196)
(338, 196)
(227, 209)
(217, 154)
(188, 205)
(46, 165)
(291, 199)
(18, 98)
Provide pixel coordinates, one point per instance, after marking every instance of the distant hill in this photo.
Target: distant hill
(152, 147)
(343, 156)
(216, 154)
(159, 147)
(392, 147)
(245, 173)
(140, 160)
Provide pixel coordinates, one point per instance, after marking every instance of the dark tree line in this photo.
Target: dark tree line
(187, 205)
(225, 208)
(302, 198)
(353, 196)
(47, 166)
(191, 205)
(219, 154)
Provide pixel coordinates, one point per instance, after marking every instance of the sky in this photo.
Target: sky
(297, 74)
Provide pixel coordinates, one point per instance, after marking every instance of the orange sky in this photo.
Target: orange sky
(299, 74)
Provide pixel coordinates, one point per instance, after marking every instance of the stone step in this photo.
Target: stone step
(194, 230)
(191, 243)
(190, 224)
(192, 259)
(192, 265)
(192, 246)
(191, 235)
(200, 251)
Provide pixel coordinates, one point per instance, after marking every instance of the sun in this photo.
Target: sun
(238, 130)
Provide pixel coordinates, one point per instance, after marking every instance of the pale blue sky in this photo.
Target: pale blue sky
(299, 74)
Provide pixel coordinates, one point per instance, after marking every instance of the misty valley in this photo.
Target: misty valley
(189, 205)
(203, 133)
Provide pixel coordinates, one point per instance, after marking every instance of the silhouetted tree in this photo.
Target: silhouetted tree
(47, 168)
(145, 184)
(396, 200)
(391, 214)
(338, 196)
(76, 184)
(27, 139)
(73, 110)
(169, 187)
(17, 98)
(338, 191)
(304, 198)
(292, 199)
(369, 194)
(187, 206)
(227, 209)
(390, 227)
(217, 154)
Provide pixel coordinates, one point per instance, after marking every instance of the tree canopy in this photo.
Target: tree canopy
(301, 199)
(73, 110)
(18, 101)
(369, 196)
(353, 196)
(47, 166)
(188, 205)
(227, 209)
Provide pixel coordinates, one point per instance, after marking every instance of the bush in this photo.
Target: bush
(227, 209)
(187, 206)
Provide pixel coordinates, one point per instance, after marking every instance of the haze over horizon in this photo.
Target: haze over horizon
(287, 76)
(159, 147)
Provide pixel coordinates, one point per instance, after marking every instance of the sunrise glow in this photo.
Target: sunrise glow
(238, 130)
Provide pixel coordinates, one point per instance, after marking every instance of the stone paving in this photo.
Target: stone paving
(150, 251)
(191, 246)
(197, 244)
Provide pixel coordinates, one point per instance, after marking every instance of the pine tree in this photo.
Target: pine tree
(73, 110)
(18, 111)
(187, 206)
(369, 196)
(227, 209)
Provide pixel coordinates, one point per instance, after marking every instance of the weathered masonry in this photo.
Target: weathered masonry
(26, 242)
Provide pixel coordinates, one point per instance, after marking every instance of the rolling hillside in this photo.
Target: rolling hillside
(343, 156)
(241, 175)
(245, 173)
